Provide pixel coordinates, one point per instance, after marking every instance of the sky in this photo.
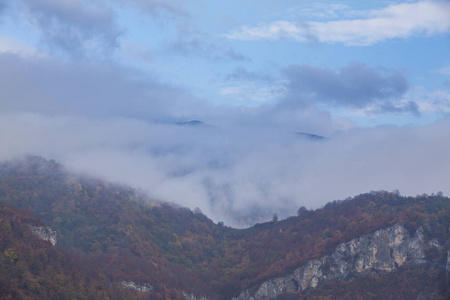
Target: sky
(105, 86)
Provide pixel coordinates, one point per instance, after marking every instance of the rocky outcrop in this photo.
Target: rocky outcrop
(45, 233)
(140, 288)
(447, 271)
(193, 297)
(448, 263)
(382, 251)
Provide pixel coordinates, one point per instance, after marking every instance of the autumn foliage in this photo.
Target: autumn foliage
(108, 233)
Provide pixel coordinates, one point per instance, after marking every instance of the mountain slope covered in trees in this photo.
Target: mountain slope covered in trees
(108, 234)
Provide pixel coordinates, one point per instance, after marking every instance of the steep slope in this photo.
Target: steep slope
(381, 252)
(132, 239)
(137, 242)
(32, 268)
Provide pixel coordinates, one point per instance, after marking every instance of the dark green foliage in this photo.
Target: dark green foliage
(108, 233)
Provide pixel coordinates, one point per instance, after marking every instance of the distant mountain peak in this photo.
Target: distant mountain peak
(310, 136)
(193, 123)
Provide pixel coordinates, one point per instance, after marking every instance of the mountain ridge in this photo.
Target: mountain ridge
(178, 251)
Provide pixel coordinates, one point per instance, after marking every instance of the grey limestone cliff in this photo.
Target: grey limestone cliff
(45, 233)
(137, 287)
(448, 263)
(382, 251)
(447, 271)
(193, 297)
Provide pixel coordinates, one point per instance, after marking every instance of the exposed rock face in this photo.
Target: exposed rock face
(448, 263)
(382, 251)
(447, 269)
(140, 288)
(45, 233)
(193, 297)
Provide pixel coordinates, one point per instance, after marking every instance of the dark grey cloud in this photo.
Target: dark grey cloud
(355, 85)
(78, 28)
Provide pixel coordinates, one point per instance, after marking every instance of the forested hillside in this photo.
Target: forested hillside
(108, 234)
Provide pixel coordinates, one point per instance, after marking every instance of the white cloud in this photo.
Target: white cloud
(12, 46)
(240, 173)
(275, 30)
(405, 20)
(437, 101)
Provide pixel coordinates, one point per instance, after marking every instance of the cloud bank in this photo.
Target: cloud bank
(424, 18)
(238, 174)
(115, 123)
